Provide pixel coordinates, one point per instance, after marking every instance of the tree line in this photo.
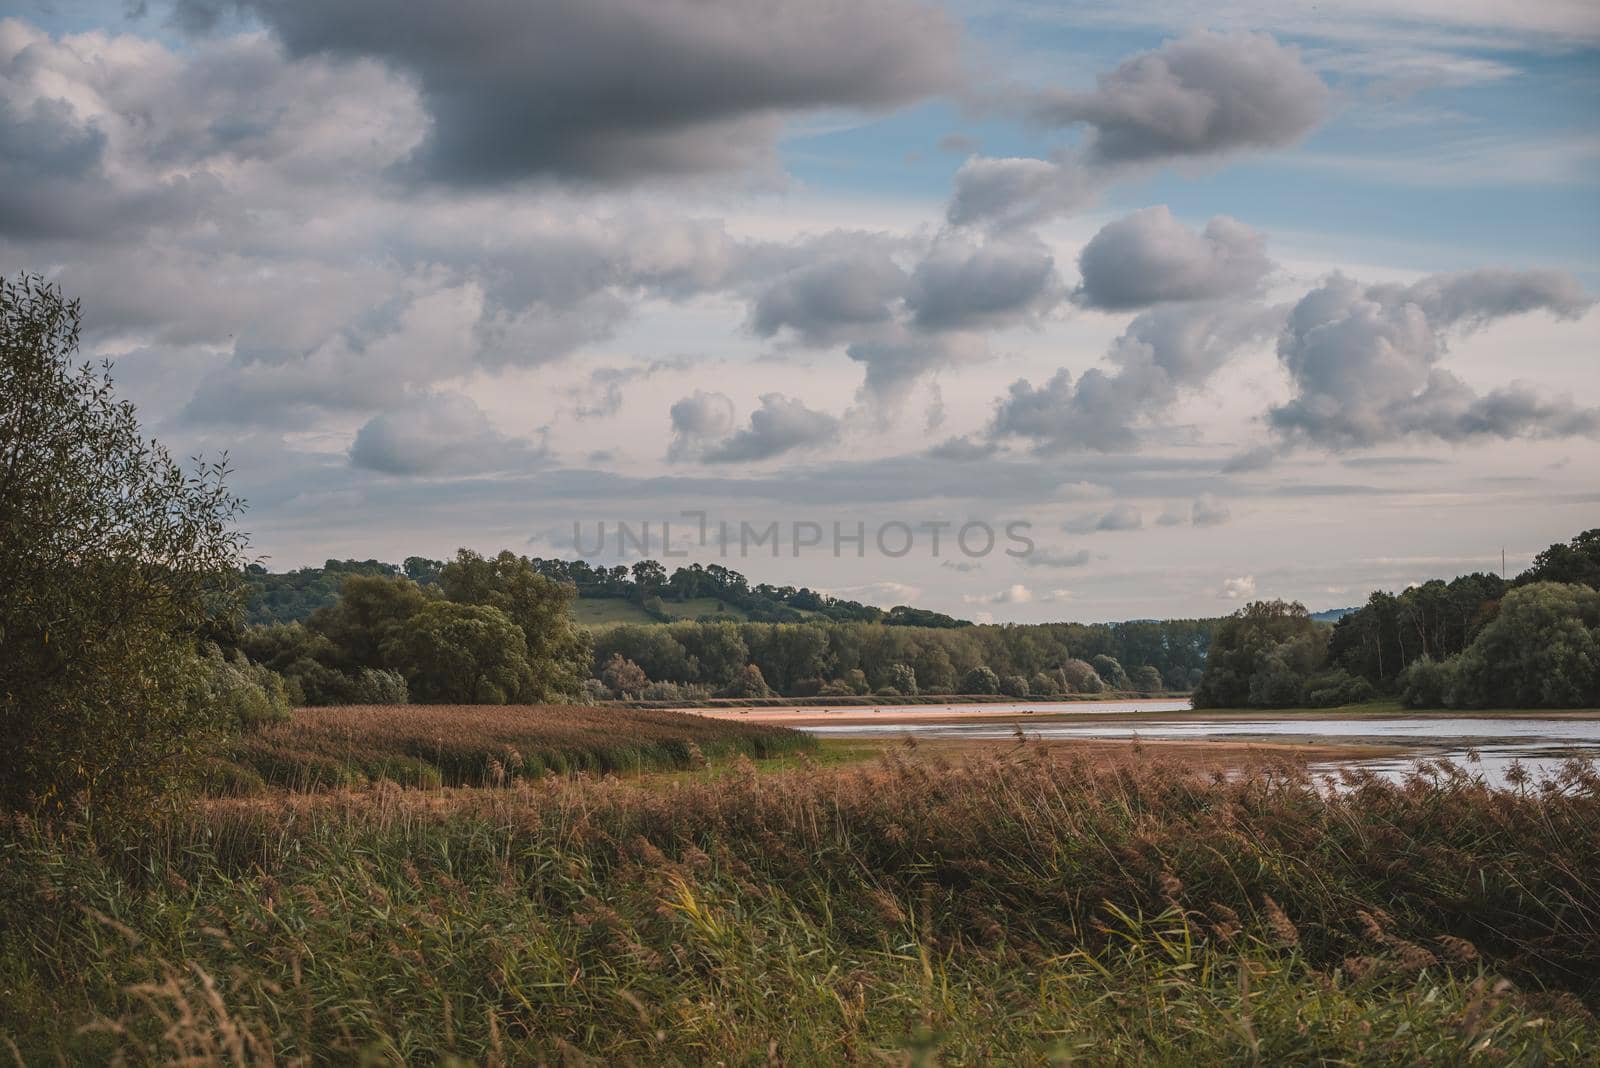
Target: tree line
(1477, 641)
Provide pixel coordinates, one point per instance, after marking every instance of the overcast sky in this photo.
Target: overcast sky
(1262, 299)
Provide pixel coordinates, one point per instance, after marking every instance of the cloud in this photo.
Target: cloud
(847, 284)
(602, 397)
(895, 361)
(1015, 594)
(1120, 517)
(1057, 558)
(1150, 257)
(1238, 589)
(434, 434)
(1162, 353)
(1364, 362)
(1202, 98)
(1208, 511)
(961, 285)
(698, 420)
(963, 449)
(623, 89)
(702, 423)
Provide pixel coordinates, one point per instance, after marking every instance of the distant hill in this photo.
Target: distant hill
(1332, 615)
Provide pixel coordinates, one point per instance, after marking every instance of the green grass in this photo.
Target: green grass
(600, 613)
(1033, 912)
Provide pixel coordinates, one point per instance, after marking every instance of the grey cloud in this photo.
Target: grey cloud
(698, 420)
(897, 360)
(781, 425)
(1057, 558)
(1163, 352)
(963, 449)
(848, 287)
(1208, 511)
(1149, 257)
(1364, 362)
(1204, 97)
(963, 286)
(617, 89)
(1119, 518)
(435, 434)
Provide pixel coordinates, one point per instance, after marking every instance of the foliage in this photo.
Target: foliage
(747, 683)
(1541, 650)
(242, 695)
(1081, 676)
(1577, 561)
(1022, 912)
(1146, 679)
(463, 654)
(1014, 686)
(980, 679)
(113, 562)
(623, 677)
(903, 677)
(1261, 656)
(557, 649)
(1110, 670)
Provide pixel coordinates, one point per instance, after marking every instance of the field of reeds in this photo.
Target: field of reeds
(1035, 910)
(479, 745)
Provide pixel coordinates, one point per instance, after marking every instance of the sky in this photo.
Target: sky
(1012, 309)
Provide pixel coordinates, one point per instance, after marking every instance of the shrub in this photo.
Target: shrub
(1014, 686)
(747, 683)
(903, 677)
(114, 561)
(980, 679)
(1044, 684)
(1146, 680)
(1081, 677)
(242, 695)
(623, 676)
(1427, 683)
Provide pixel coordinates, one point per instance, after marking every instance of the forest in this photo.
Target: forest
(1477, 641)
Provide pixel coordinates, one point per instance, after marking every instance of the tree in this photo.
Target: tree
(903, 678)
(464, 654)
(1261, 656)
(1542, 650)
(557, 648)
(1146, 679)
(623, 677)
(1081, 677)
(1577, 561)
(749, 682)
(980, 679)
(1014, 686)
(1110, 671)
(113, 561)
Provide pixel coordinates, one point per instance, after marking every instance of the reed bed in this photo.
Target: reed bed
(1036, 910)
(480, 745)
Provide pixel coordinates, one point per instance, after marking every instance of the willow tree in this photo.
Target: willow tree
(113, 559)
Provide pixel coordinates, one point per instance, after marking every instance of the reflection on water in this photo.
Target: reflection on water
(1485, 746)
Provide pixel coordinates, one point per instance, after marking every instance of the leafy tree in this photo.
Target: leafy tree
(623, 676)
(1110, 671)
(113, 561)
(1044, 684)
(557, 648)
(1260, 656)
(980, 679)
(1081, 677)
(749, 682)
(1576, 561)
(1014, 686)
(247, 695)
(463, 654)
(362, 623)
(903, 678)
(1542, 650)
(1146, 679)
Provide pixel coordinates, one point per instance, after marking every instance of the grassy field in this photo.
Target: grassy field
(480, 745)
(1038, 911)
(598, 613)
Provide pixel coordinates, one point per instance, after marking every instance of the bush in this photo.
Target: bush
(1044, 684)
(242, 695)
(1429, 683)
(980, 679)
(1081, 677)
(1338, 687)
(1146, 680)
(623, 676)
(747, 683)
(1110, 671)
(114, 561)
(377, 686)
(903, 678)
(1014, 686)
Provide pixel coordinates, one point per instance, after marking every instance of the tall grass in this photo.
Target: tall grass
(479, 745)
(1030, 911)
